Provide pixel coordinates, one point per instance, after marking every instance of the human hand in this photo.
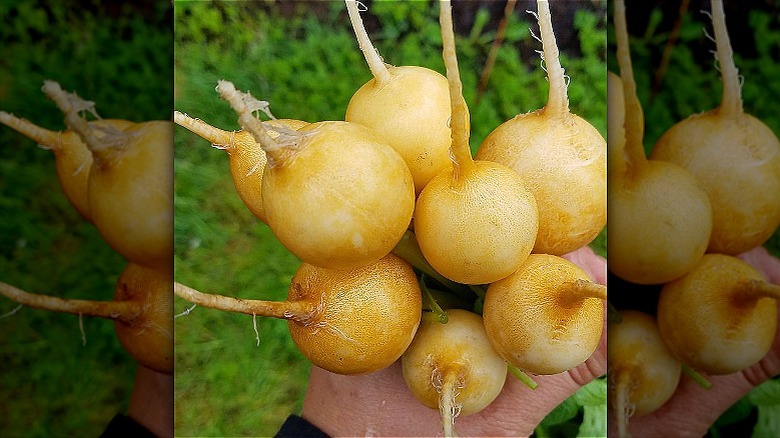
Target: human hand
(693, 409)
(381, 404)
(151, 402)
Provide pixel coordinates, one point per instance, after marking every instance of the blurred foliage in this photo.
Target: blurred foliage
(119, 57)
(302, 57)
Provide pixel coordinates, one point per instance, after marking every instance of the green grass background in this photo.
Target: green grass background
(304, 60)
(120, 57)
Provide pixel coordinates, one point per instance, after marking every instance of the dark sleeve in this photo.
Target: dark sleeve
(296, 427)
(122, 426)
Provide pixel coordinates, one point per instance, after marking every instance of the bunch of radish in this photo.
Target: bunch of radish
(117, 174)
(709, 191)
(390, 201)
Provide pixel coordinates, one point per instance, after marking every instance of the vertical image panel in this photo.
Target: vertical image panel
(694, 205)
(76, 348)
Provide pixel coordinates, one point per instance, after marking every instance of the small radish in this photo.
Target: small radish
(345, 321)
(409, 106)
(72, 159)
(721, 317)
(660, 218)
(334, 193)
(130, 187)
(547, 317)
(735, 157)
(642, 373)
(142, 311)
(477, 222)
(246, 157)
(561, 157)
(452, 367)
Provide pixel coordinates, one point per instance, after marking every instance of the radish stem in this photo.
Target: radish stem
(697, 377)
(430, 302)
(732, 99)
(575, 291)
(622, 402)
(71, 104)
(447, 405)
(40, 135)
(752, 290)
(244, 104)
(210, 133)
(634, 118)
(522, 376)
(557, 101)
(375, 63)
(459, 121)
(298, 311)
(122, 310)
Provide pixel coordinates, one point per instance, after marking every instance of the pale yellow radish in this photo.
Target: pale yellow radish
(452, 367)
(642, 373)
(409, 106)
(561, 157)
(245, 156)
(345, 321)
(721, 317)
(660, 218)
(477, 222)
(734, 156)
(334, 193)
(547, 317)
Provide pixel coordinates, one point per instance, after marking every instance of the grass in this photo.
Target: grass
(304, 60)
(51, 384)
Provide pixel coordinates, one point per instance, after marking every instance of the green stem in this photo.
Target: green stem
(408, 249)
(522, 376)
(698, 378)
(430, 303)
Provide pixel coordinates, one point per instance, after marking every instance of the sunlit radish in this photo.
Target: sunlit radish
(547, 317)
(477, 222)
(142, 312)
(721, 317)
(72, 159)
(660, 218)
(452, 367)
(246, 157)
(334, 193)
(345, 321)
(560, 156)
(130, 183)
(409, 106)
(642, 373)
(734, 155)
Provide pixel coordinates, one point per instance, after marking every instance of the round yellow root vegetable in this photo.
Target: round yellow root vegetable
(477, 222)
(409, 106)
(561, 157)
(660, 218)
(345, 321)
(130, 186)
(734, 156)
(719, 318)
(72, 158)
(452, 367)
(642, 373)
(334, 193)
(142, 312)
(245, 156)
(547, 317)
